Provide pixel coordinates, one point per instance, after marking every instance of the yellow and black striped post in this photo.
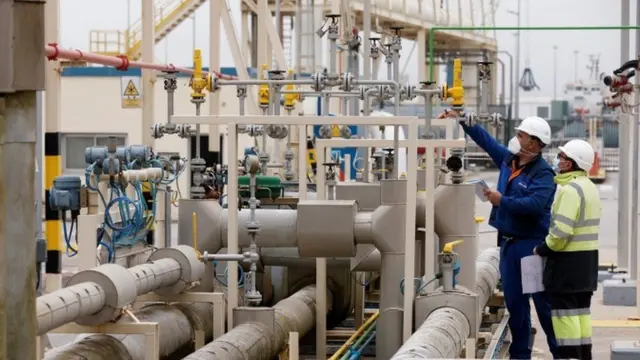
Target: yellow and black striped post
(146, 193)
(53, 226)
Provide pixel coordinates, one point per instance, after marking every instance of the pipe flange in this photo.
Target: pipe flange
(241, 92)
(119, 286)
(157, 130)
(348, 82)
(289, 154)
(319, 80)
(191, 271)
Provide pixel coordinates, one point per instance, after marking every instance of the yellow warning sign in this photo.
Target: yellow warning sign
(131, 90)
(335, 130)
(131, 98)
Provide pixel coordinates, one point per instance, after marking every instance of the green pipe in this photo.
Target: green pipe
(360, 340)
(433, 30)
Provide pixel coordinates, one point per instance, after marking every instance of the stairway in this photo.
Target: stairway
(168, 15)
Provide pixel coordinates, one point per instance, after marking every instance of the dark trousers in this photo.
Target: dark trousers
(511, 252)
(571, 318)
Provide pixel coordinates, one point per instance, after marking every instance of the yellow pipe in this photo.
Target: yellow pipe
(355, 335)
(194, 232)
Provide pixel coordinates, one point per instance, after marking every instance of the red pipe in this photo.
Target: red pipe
(120, 62)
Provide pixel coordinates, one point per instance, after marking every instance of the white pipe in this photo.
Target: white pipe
(148, 76)
(138, 175)
(87, 298)
(255, 341)
(177, 323)
(232, 234)
(445, 331)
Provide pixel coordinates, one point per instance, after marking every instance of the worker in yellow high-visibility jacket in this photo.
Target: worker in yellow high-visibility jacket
(571, 248)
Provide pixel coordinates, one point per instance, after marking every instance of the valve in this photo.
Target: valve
(449, 265)
(374, 52)
(333, 30)
(263, 91)
(456, 92)
(396, 40)
(289, 98)
(198, 82)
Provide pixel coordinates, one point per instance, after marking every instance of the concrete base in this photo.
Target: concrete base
(623, 276)
(625, 350)
(605, 275)
(619, 292)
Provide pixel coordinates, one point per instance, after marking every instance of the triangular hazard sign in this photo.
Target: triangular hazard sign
(131, 90)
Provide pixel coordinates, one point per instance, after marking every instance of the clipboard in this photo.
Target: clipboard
(480, 186)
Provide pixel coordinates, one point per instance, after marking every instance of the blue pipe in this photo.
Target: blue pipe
(358, 352)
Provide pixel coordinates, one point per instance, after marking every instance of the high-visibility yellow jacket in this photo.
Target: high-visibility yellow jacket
(571, 247)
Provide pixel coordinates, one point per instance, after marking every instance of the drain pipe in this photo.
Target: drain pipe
(177, 324)
(445, 331)
(256, 341)
(95, 296)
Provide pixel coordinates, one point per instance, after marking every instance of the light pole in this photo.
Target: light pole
(575, 65)
(555, 72)
(517, 94)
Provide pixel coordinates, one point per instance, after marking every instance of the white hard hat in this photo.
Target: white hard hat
(538, 127)
(579, 151)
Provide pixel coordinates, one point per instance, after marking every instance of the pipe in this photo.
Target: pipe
(88, 298)
(445, 331)
(432, 31)
(53, 52)
(256, 341)
(356, 335)
(623, 165)
(177, 324)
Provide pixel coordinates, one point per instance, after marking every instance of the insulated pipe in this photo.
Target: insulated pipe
(256, 341)
(137, 175)
(177, 324)
(445, 331)
(94, 296)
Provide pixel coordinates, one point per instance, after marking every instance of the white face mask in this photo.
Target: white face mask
(514, 146)
(556, 164)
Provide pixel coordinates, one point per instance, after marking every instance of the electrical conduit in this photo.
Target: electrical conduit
(444, 332)
(255, 341)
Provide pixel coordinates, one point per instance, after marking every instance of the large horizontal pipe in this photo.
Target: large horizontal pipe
(96, 293)
(256, 341)
(444, 332)
(177, 325)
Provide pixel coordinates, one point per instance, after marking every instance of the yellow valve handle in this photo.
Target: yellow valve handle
(448, 247)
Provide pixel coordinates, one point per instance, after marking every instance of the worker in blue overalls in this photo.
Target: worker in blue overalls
(521, 213)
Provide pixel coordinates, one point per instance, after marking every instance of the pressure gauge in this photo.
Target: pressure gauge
(251, 164)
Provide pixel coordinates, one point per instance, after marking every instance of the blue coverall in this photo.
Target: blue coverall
(522, 220)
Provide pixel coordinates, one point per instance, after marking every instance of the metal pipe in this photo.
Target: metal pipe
(516, 101)
(623, 165)
(55, 52)
(177, 324)
(445, 331)
(17, 246)
(503, 82)
(634, 176)
(256, 341)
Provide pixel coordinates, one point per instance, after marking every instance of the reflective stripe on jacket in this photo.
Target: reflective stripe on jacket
(571, 246)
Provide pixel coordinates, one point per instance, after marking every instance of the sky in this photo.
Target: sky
(79, 17)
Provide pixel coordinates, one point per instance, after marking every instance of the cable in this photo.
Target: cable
(420, 283)
(224, 283)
